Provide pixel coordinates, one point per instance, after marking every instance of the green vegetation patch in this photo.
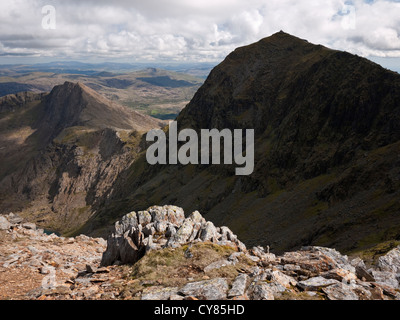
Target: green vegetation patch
(79, 136)
(372, 254)
(170, 267)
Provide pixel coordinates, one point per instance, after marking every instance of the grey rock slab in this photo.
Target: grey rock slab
(253, 258)
(91, 268)
(276, 289)
(386, 278)
(149, 230)
(280, 278)
(362, 272)
(260, 291)
(197, 217)
(9, 263)
(184, 232)
(208, 232)
(340, 260)
(358, 262)
(340, 291)
(291, 267)
(127, 222)
(112, 253)
(170, 232)
(172, 214)
(160, 226)
(214, 289)
(239, 286)
(241, 246)
(340, 275)
(176, 297)
(33, 263)
(4, 223)
(128, 251)
(159, 293)
(14, 218)
(195, 231)
(218, 265)
(234, 257)
(227, 234)
(29, 226)
(313, 284)
(158, 214)
(391, 261)
(144, 218)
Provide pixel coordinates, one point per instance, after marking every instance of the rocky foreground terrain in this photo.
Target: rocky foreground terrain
(161, 254)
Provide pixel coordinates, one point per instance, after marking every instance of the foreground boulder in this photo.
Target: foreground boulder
(161, 227)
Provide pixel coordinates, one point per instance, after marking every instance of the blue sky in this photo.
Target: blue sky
(190, 31)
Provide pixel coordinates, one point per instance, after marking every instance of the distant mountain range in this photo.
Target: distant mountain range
(76, 67)
(327, 165)
(156, 92)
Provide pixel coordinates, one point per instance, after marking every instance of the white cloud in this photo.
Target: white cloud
(191, 30)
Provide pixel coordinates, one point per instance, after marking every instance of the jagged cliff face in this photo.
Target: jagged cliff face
(327, 143)
(63, 151)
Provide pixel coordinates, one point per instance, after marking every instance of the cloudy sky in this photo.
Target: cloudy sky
(190, 30)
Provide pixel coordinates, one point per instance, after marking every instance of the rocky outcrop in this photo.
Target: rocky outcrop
(310, 273)
(161, 227)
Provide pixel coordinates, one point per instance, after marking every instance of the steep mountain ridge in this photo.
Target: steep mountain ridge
(76, 105)
(327, 144)
(62, 151)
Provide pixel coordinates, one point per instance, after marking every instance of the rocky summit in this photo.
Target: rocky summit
(163, 254)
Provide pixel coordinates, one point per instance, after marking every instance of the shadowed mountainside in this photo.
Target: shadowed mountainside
(327, 170)
(61, 151)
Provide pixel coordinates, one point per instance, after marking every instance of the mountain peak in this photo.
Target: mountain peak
(281, 34)
(283, 44)
(68, 85)
(77, 88)
(322, 118)
(75, 104)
